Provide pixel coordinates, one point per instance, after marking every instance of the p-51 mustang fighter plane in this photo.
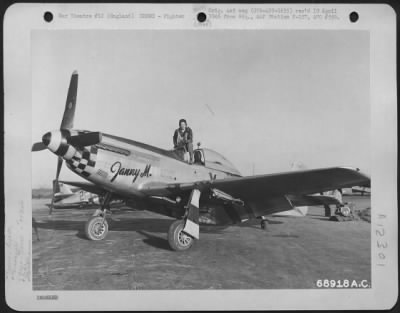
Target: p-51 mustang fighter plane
(65, 197)
(210, 191)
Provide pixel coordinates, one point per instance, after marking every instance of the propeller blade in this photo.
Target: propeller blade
(52, 198)
(55, 183)
(84, 140)
(38, 146)
(59, 164)
(69, 113)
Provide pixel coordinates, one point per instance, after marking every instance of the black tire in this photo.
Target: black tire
(96, 228)
(177, 239)
(345, 211)
(264, 225)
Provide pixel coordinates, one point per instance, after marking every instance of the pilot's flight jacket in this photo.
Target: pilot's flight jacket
(181, 138)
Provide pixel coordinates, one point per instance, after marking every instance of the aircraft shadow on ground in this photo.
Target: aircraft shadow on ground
(256, 223)
(154, 241)
(148, 225)
(286, 236)
(321, 218)
(66, 207)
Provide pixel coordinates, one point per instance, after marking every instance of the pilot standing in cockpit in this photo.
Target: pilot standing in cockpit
(183, 139)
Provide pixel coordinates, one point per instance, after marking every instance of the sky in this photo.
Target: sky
(265, 99)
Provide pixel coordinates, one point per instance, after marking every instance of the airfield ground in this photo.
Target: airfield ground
(292, 253)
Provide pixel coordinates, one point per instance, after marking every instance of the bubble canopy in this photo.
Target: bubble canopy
(215, 160)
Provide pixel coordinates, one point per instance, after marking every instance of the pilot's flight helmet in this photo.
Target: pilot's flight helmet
(182, 120)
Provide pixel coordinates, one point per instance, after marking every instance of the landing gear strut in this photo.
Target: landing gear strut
(263, 223)
(344, 213)
(182, 233)
(96, 228)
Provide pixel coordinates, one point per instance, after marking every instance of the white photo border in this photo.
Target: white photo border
(21, 19)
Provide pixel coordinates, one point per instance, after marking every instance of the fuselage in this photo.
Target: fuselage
(126, 167)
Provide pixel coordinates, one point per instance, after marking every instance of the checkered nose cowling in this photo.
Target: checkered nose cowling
(78, 148)
(84, 161)
(56, 142)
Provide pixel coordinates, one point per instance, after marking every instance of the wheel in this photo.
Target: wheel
(96, 228)
(264, 224)
(177, 239)
(345, 210)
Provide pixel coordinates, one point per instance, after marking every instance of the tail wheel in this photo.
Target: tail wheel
(345, 210)
(178, 240)
(96, 228)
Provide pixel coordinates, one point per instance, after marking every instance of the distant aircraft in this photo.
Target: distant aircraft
(65, 197)
(211, 191)
(362, 190)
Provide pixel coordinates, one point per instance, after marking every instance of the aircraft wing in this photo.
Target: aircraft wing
(313, 200)
(89, 187)
(270, 193)
(293, 183)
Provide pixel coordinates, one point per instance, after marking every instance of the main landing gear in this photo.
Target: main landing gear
(344, 213)
(178, 240)
(182, 233)
(96, 228)
(263, 223)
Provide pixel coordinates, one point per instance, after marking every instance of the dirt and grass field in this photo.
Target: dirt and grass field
(291, 253)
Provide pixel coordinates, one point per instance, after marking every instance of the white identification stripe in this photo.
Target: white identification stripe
(192, 229)
(55, 141)
(195, 198)
(70, 153)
